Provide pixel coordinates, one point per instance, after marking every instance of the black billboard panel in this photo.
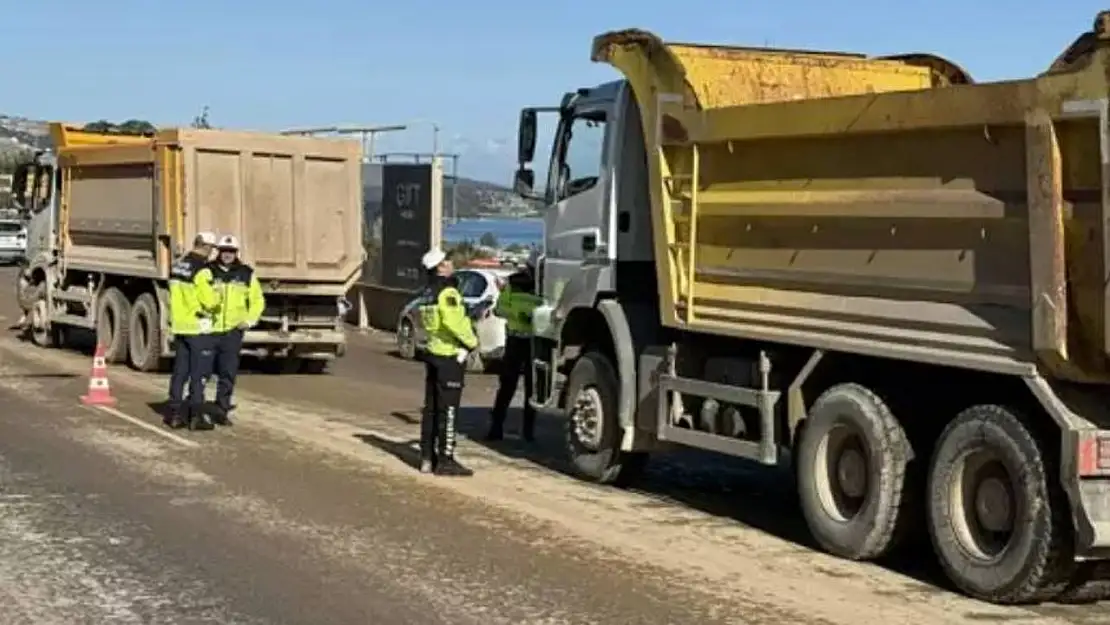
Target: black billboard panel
(409, 221)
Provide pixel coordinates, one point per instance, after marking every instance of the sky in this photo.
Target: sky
(466, 67)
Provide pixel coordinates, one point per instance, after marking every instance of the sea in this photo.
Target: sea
(527, 232)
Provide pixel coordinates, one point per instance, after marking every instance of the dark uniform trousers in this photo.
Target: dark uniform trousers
(443, 387)
(228, 345)
(517, 361)
(192, 364)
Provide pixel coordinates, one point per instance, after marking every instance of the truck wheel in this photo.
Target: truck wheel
(42, 332)
(113, 317)
(145, 334)
(851, 471)
(593, 434)
(314, 366)
(999, 526)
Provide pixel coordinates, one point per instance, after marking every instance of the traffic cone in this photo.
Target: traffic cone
(100, 393)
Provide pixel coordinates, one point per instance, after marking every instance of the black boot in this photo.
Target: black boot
(528, 429)
(220, 414)
(450, 467)
(427, 458)
(199, 419)
(496, 429)
(174, 418)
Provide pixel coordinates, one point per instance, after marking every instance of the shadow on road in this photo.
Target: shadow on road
(745, 492)
(44, 376)
(407, 452)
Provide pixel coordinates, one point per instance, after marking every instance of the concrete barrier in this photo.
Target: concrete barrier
(377, 307)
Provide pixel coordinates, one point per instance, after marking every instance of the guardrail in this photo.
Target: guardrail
(377, 307)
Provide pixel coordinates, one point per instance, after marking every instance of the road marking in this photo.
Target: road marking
(184, 442)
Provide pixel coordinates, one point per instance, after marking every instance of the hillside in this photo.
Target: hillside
(19, 137)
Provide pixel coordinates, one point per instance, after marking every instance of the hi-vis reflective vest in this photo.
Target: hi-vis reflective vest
(193, 301)
(241, 299)
(446, 325)
(515, 305)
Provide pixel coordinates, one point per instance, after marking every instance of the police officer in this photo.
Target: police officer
(515, 304)
(241, 305)
(193, 304)
(450, 338)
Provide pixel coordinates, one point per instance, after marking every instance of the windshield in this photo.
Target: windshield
(10, 227)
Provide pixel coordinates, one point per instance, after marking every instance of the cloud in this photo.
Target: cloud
(495, 146)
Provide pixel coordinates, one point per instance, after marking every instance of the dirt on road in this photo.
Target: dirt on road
(713, 531)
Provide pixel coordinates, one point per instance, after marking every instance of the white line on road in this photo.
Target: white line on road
(184, 442)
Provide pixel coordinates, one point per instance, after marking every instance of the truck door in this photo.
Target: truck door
(577, 224)
(35, 190)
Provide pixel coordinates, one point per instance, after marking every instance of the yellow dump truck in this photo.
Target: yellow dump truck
(109, 213)
(872, 270)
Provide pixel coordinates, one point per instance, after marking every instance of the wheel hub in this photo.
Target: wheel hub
(38, 315)
(587, 416)
(851, 473)
(983, 504)
(994, 505)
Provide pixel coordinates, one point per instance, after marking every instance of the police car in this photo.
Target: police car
(480, 289)
(13, 241)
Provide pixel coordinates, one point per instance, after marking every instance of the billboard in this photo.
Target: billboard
(412, 217)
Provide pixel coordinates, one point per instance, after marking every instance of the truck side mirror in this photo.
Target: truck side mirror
(526, 137)
(19, 185)
(523, 182)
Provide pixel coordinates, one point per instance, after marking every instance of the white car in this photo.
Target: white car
(13, 241)
(480, 289)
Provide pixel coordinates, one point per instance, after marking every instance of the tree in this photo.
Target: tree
(201, 121)
(488, 240)
(136, 127)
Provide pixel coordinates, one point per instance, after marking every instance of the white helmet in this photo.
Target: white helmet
(228, 242)
(433, 258)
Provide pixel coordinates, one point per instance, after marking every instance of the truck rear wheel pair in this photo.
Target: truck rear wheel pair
(130, 331)
(996, 521)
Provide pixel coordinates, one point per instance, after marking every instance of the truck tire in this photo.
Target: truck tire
(998, 524)
(593, 433)
(43, 333)
(113, 317)
(314, 366)
(851, 469)
(145, 334)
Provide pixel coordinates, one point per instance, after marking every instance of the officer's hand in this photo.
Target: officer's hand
(243, 325)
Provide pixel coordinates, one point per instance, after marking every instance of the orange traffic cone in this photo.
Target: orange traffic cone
(100, 393)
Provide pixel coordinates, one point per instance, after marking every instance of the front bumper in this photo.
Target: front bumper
(277, 338)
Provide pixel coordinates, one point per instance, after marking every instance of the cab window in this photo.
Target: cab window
(579, 154)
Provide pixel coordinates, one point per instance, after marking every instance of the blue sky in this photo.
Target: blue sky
(468, 66)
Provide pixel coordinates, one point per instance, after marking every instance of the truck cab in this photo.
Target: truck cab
(597, 261)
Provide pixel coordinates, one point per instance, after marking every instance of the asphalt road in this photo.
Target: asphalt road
(308, 511)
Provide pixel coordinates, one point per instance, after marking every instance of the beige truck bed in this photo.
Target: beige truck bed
(131, 204)
(817, 200)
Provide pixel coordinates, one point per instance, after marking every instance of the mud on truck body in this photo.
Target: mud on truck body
(872, 270)
(108, 214)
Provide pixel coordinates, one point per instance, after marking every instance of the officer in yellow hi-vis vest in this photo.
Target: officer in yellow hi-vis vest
(241, 307)
(450, 338)
(515, 304)
(193, 303)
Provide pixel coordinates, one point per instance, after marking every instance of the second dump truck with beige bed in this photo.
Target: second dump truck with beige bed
(872, 269)
(109, 213)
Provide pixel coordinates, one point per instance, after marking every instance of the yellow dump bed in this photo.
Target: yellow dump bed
(881, 206)
(130, 204)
